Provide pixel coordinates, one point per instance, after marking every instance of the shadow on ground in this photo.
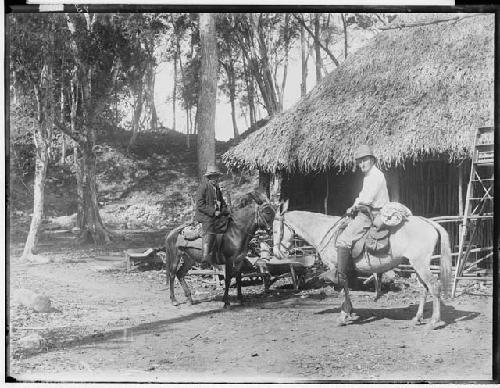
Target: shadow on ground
(449, 314)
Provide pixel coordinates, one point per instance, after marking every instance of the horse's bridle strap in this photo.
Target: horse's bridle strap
(283, 224)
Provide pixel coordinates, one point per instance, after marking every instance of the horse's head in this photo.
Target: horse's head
(264, 212)
(283, 234)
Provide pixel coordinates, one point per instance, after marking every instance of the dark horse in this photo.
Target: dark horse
(241, 226)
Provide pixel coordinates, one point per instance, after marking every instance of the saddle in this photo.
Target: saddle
(191, 237)
(376, 239)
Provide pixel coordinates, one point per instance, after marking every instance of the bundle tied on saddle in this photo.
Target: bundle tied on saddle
(376, 240)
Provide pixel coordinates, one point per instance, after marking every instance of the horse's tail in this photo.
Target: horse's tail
(171, 249)
(445, 265)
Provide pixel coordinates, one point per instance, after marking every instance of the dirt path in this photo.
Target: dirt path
(119, 326)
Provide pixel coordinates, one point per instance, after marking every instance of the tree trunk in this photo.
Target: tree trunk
(13, 87)
(41, 163)
(317, 47)
(174, 91)
(91, 226)
(149, 94)
(285, 64)
(93, 230)
(208, 92)
(345, 35)
(78, 169)
(232, 95)
(265, 82)
(137, 114)
(61, 119)
(251, 35)
(250, 92)
(303, 50)
(42, 138)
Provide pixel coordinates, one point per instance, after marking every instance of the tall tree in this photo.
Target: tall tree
(33, 50)
(229, 53)
(208, 92)
(344, 25)
(251, 33)
(303, 56)
(317, 48)
(143, 32)
(96, 40)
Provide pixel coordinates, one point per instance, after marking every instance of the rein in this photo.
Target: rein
(321, 244)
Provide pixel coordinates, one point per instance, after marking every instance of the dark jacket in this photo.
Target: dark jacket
(206, 202)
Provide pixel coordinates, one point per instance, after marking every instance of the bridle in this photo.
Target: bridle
(259, 216)
(323, 243)
(279, 244)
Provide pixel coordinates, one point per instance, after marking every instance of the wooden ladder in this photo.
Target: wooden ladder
(478, 208)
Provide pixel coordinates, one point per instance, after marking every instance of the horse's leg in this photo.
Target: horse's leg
(346, 308)
(419, 317)
(227, 282)
(434, 288)
(172, 270)
(238, 283)
(181, 273)
(377, 278)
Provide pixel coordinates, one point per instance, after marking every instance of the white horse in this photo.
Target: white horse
(414, 240)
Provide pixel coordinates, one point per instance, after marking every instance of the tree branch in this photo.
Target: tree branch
(456, 18)
(75, 136)
(380, 18)
(332, 57)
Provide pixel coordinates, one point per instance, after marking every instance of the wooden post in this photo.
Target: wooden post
(460, 196)
(326, 195)
(275, 187)
(460, 190)
(393, 178)
(264, 182)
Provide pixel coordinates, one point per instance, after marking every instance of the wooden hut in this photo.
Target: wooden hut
(417, 92)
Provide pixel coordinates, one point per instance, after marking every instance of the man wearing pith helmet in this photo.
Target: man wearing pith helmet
(373, 194)
(210, 205)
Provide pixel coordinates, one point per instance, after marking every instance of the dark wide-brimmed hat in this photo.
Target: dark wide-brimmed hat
(362, 151)
(212, 170)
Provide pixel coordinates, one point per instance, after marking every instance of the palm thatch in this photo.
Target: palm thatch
(411, 92)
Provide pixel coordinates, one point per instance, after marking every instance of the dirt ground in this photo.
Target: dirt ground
(119, 326)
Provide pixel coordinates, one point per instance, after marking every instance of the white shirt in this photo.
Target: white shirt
(374, 191)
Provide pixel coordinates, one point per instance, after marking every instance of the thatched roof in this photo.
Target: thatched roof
(410, 93)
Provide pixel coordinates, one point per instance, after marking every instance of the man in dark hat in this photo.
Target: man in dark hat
(210, 206)
(374, 194)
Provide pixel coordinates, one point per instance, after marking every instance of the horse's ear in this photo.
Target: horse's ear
(284, 207)
(259, 197)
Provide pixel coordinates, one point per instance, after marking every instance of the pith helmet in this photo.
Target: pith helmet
(212, 170)
(363, 150)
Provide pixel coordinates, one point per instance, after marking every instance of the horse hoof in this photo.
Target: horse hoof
(417, 321)
(435, 325)
(226, 305)
(353, 317)
(175, 303)
(343, 320)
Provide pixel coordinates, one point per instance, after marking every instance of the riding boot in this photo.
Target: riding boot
(207, 247)
(343, 256)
